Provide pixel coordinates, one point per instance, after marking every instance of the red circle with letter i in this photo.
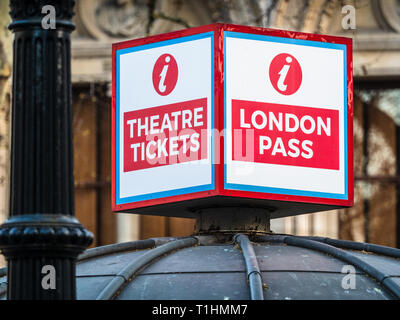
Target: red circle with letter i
(165, 74)
(285, 74)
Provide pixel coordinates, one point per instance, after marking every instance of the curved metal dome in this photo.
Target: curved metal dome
(226, 267)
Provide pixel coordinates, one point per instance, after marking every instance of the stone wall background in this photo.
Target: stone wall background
(5, 91)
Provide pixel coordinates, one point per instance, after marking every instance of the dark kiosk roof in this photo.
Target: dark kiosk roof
(210, 267)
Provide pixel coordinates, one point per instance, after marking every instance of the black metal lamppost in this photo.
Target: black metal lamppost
(41, 234)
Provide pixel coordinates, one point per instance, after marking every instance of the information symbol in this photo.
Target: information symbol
(165, 74)
(285, 74)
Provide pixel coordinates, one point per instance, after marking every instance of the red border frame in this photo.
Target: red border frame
(138, 42)
(312, 37)
(218, 30)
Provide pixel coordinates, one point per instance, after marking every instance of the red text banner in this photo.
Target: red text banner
(285, 135)
(165, 135)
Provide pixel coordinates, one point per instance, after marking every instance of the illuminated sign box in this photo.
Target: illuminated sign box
(225, 115)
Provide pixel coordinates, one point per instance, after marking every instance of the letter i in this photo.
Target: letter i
(283, 73)
(163, 74)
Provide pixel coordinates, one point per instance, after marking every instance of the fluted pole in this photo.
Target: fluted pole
(41, 239)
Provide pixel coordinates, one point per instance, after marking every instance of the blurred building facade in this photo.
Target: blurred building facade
(5, 99)
(99, 23)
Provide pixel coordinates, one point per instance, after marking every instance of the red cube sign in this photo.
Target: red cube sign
(226, 115)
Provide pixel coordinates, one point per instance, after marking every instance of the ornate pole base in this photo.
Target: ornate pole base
(41, 251)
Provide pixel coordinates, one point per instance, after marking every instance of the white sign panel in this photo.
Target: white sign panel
(286, 116)
(164, 100)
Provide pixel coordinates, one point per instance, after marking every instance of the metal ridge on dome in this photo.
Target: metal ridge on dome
(343, 255)
(125, 275)
(253, 270)
(368, 247)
